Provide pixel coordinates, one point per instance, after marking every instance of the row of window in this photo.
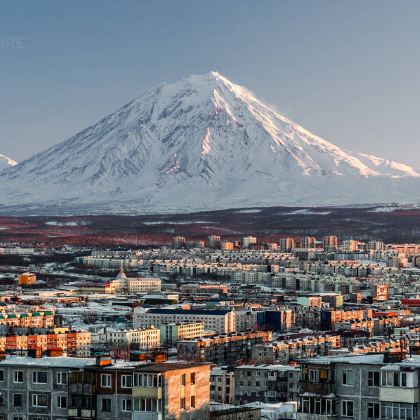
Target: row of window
(389, 378)
(375, 410)
(37, 400)
(38, 377)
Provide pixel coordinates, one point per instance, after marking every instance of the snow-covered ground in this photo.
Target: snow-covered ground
(202, 143)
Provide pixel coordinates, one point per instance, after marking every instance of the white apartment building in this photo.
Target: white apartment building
(145, 338)
(134, 284)
(172, 333)
(220, 321)
(140, 285)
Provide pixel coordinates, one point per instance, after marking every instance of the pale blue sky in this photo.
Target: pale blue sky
(348, 71)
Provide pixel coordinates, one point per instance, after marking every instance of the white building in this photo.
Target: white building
(145, 338)
(221, 321)
(172, 333)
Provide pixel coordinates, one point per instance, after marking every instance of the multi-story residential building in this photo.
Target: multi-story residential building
(245, 320)
(224, 349)
(37, 388)
(76, 343)
(294, 348)
(102, 391)
(66, 387)
(330, 243)
(140, 338)
(276, 320)
(171, 333)
(134, 284)
(342, 387)
(222, 321)
(287, 244)
(213, 241)
(222, 385)
(247, 241)
(178, 242)
(399, 391)
(265, 383)
(37, 319)
(171, 391)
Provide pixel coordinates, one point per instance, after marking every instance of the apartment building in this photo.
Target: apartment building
(76, 343)
(133, 284)
(222, 385)
(171, 391)
(74, 388)
(36, 319)
(220, 321)
(37, 388)
(171, 333)
(342, 387)
(265, 383)
(141, 338)
(223, 349)
(294, 348)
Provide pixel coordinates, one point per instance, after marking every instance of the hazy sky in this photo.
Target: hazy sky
(348, 71)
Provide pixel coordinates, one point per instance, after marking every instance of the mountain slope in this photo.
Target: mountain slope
(6, 162)
(200, 143)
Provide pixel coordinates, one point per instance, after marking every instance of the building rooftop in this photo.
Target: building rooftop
(360, 359)
(165, 367)
(65, 362)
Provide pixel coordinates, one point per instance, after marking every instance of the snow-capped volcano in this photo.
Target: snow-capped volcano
(6, 162)
(200, 143)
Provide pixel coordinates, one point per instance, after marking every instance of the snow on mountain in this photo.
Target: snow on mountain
(6, 162)
(201, 143)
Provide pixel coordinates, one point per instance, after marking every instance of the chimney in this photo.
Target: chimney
(103, 360)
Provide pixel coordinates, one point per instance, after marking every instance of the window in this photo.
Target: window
(192, 379)
(147, 380)
(61, 378)
(127, 404)
(18, 376)
(394, 378)
(193, 401)
(183, 379)
(373, 378)
(105, 381)
(374, 410)
(106, 404)
(147, 404)
(182, 403)
(348, 377)
(126, 381)
(39, 377)
(347, 408)
(399, 411)
(62, 401)
(39, 400)
(313, 375)
(17, 400)
(1, 375)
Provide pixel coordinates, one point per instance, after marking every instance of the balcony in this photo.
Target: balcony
(318, 388)
(399, 394)
(147, 392)
(81, 412)
(309, 416)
